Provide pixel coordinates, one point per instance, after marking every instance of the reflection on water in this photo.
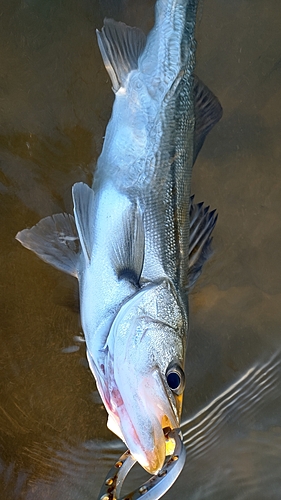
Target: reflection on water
(233, 427)
(233, 450)
(243, 399)
(55, 101)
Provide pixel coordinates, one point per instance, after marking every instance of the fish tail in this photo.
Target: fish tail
(170, 44)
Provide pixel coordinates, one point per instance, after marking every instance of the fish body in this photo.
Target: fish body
(129, 241)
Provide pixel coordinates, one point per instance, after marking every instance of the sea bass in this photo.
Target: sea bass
(135, 243)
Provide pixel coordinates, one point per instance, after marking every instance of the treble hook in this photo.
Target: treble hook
(156, 486)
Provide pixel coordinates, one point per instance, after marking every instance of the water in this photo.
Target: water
(55, 101)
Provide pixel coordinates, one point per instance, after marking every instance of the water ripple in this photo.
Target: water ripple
(234, 443)
(247, 395)
(233, 451)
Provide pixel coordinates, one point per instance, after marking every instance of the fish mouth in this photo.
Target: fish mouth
(145, 422)
(151, 453)
(142, 414)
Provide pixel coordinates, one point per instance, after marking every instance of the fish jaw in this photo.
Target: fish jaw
(140, 348)
(138, 415)
(143, 419)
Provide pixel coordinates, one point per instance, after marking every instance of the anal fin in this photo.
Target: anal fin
(120, 47)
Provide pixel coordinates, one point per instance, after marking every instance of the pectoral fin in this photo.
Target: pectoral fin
(208, 112)
(128, 247)
(202, 223)
(83, 200)
(55, 240)
(120, 47)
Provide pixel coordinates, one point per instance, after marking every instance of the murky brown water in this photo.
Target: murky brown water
(55, 101)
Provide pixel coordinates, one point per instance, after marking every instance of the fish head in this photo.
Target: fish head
(144, 373)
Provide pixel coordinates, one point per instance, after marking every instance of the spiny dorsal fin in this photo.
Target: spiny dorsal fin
(83, 200)
(120, 47)
(202, 223)
(128, 247)
(55, 240)
(208, 112)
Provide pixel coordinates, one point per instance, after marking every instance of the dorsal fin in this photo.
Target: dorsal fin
(120, 47)
(55, 240)
(83, 200)
(202, 223)
(128, 246)
(208, 112)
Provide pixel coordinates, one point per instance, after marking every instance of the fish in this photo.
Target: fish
(137, 242)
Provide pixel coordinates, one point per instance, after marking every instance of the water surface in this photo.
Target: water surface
(55, 101)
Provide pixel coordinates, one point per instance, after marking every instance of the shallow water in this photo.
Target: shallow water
(55, 101)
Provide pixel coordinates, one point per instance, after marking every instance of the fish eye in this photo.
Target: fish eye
(175, 378)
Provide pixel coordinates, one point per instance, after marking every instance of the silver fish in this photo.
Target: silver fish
(129, 243)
